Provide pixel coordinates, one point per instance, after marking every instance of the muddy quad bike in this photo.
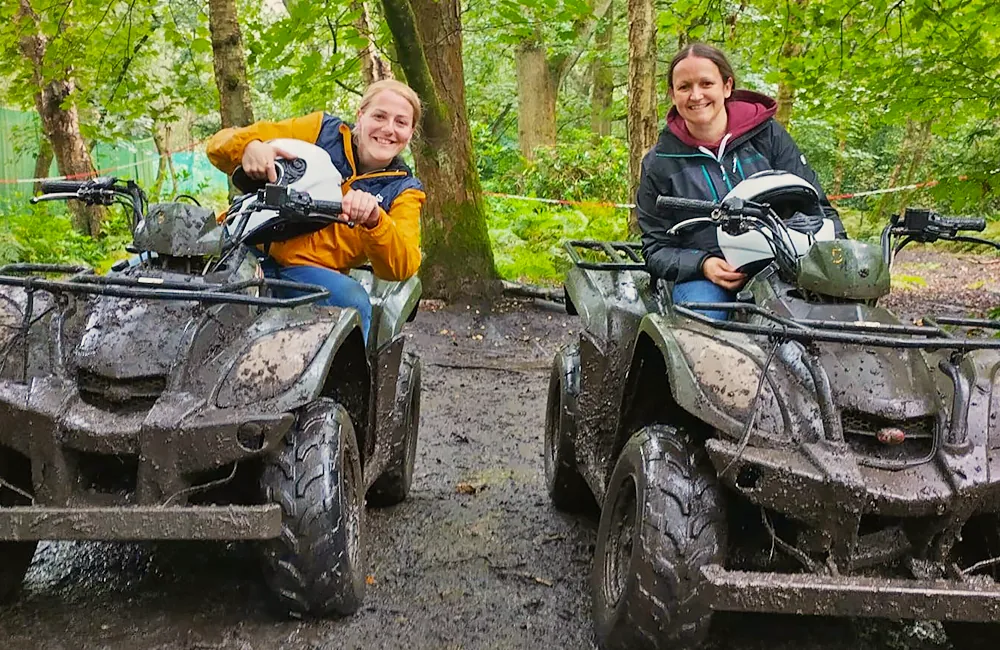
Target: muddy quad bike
(186, 396)
(811, 454)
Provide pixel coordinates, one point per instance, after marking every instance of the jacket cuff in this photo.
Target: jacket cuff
(689, 267)
(379, 231)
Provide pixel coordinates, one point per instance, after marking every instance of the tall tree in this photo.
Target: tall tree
(54, 90)
(458, 261)
(791, 49)
(642, 119)
(602, 80)
(540, 75)
(43, 162)
(374, 65)
(230, 64)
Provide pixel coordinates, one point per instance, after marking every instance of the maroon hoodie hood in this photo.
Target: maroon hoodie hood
(745, 108)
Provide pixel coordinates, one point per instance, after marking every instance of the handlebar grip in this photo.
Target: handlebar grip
(688, 205)
(326, 207)
(977, 224)
(56, 187)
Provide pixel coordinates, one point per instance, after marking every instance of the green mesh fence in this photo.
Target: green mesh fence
(19, 134)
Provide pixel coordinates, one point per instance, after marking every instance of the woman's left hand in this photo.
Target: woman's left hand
(362, 208)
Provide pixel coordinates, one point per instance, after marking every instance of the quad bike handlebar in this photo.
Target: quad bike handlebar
(295, 204)
(737, 216)
(732, 207)
(926, 226)
(103, 190)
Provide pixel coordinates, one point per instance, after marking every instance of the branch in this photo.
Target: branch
(584, 31)
(333, 32)
(353, 91)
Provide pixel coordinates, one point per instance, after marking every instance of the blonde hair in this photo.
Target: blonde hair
(397, 87)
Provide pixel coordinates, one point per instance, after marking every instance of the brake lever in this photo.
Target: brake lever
(54, 196)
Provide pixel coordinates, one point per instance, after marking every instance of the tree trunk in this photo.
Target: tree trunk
(786, 87)
(374, 66)
(536, 99)
(790, 49)
(230, 65)
(165, 167)
(642, 119)
(43, 162)
(59, 117)
(458, 261)
(602, 79)
(539, 78)
(733, 19)
(838, 169)
(918, 150)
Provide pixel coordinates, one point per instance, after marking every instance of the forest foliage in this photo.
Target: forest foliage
(883, 93)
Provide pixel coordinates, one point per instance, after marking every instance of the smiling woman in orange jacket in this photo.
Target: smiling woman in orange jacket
(380, 192)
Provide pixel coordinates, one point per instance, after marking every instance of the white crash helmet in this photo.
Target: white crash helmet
(312, 171)
(787, 194)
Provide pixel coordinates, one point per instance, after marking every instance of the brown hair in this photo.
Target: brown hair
(397, 87)
(704, 51)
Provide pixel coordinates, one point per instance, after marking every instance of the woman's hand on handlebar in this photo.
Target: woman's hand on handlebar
(258, 160)
(718, 271)
(362, 208)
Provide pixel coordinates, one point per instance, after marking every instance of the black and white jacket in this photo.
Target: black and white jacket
(676, 168)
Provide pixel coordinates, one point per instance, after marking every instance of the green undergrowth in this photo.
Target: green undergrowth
(44, 234)
(528, 238)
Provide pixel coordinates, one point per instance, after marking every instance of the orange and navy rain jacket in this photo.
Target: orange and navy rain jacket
(392, 247)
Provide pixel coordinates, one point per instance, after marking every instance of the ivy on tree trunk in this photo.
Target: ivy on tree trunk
(458, 261)
(230, 64)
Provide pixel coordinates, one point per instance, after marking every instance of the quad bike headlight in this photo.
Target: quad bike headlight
(272, 364)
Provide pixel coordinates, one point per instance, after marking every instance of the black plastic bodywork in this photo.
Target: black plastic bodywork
(873, 443)
(145, 400)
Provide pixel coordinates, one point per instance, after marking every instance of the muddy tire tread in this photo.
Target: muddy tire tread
(308, 566)
(683, 529)
(567, 488)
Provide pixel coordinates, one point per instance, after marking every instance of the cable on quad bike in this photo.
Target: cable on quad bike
(103, 190)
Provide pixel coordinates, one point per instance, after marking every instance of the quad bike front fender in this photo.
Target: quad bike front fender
(283, 360)
(393, 304)
(715, 379)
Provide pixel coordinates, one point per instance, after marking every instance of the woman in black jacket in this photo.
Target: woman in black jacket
(715, 137)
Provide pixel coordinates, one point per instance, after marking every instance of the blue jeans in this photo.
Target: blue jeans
(703, 291)
(345, 291)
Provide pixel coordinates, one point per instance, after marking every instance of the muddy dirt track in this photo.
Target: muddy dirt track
(476, 558)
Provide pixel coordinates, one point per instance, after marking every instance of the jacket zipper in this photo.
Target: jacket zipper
(719, 159)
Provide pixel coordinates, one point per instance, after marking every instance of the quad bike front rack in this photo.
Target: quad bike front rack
(83, 281)
(624, 256)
